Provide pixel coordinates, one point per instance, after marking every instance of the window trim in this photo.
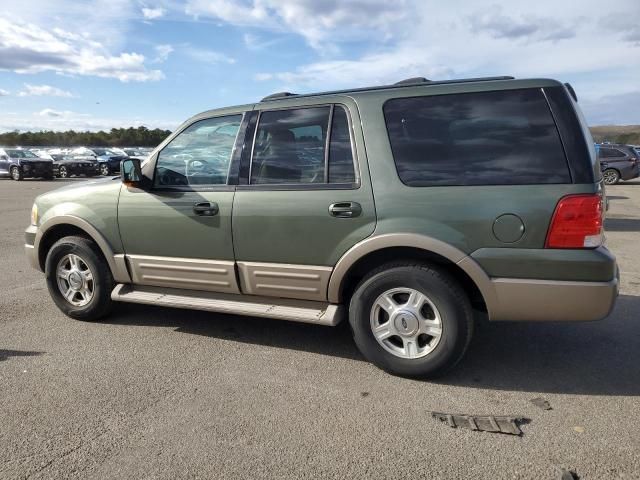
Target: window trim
(423, 184)
(213, 187)
(307, 186)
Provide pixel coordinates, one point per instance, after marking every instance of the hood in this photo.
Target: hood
(87, 184)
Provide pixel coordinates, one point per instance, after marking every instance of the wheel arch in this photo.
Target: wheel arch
(370, 253)
(65, 225)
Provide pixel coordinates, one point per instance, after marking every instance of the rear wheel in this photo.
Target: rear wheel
(611, 176)
(79, 279)
(16, 173)
(411, 320)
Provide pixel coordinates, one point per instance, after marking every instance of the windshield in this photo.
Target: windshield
(21, 154)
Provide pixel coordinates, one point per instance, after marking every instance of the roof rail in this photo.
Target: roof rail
(277, 95)
(412, 80)
(409, 82)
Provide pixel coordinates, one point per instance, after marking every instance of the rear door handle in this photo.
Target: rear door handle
(207, 209)
(345, 209)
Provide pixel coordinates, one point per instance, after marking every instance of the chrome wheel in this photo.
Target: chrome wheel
(611, 177)
(63, 172)
(75, 280)
(104, 169)
(15, 173)
(406, 323)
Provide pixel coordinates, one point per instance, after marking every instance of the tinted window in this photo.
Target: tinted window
(611, 153)
(289, 146)
(200, 154)
(341, 168)
(485, 138)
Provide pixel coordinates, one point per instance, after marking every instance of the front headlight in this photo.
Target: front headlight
(34, 215)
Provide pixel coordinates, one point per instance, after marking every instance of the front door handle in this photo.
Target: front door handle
(207, 209)
(345, 209)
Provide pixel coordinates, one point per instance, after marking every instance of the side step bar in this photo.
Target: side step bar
(303, 311)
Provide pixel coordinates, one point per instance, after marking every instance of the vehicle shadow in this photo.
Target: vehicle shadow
(588, 358)
(622, 224)
(6, 354)
(334, 341)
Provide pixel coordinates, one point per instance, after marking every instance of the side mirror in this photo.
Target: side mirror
(130, 172)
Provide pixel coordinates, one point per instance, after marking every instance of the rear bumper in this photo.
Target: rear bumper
(552, 300)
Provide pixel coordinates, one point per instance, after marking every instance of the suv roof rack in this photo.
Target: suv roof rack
(277, 95)
(409, 82)
(412, 80)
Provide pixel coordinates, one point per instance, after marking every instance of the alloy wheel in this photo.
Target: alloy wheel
(75, 280)
(406, 323)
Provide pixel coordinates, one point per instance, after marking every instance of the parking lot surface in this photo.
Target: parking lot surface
(164, 393)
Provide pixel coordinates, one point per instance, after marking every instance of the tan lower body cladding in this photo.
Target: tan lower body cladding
(283, 280)
(303, 282)
(187, 273)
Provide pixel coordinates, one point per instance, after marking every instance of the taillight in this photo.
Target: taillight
(577, 222)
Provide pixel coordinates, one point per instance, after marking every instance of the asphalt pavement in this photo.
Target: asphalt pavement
(166, 393)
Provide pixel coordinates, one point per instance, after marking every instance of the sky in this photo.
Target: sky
(99, 64)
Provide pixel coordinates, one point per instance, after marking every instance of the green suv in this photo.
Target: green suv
(405, 208)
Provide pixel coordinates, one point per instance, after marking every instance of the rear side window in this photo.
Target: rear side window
(610, 153)
(291, 147)
(485, 138)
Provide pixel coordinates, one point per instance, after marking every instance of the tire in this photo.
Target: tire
(82, 306)
(611, 176)
(445, 303)
(16, 173)
(104, 169)
(63, 172)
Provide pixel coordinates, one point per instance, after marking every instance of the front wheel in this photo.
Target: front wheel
(63, 172)
(411, 320)
(79, 279)
(16, 173)
(104, 169)
(611, 176)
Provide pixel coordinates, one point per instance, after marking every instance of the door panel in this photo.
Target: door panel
(296, 227)
(177, 231)
(284, 216)
(163, 227)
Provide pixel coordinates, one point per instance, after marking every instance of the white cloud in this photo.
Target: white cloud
(43, 90)
(153, 13)
(48, 112)
(459, 39)
(61, 120)
(4, 93)
(372, 69)
(320, 22)
(162, 53)
(495, 22)
(28, 48)
(254, 42)
(208, 56)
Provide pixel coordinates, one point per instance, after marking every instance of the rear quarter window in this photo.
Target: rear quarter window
(485, 138)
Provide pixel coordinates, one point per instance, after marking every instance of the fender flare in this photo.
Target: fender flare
(413, 240)
(116, 263)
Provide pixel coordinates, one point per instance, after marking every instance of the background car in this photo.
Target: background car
(19, 164)
(618, 162)
(65, 166)
(109, 159)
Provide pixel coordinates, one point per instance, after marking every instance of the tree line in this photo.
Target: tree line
(139, 137)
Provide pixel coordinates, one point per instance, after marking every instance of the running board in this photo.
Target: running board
(303, 311)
